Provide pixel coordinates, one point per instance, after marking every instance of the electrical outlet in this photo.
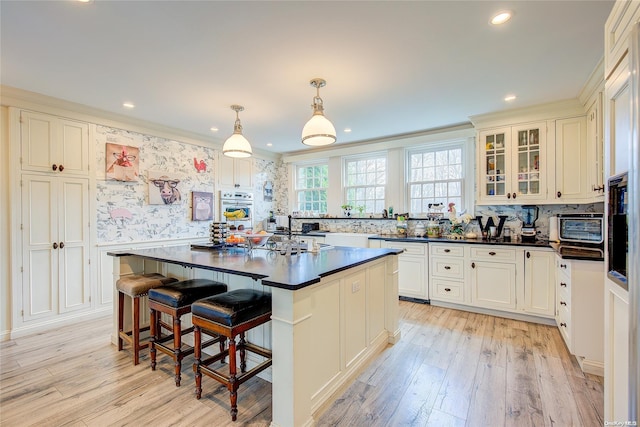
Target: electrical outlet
(355, 287)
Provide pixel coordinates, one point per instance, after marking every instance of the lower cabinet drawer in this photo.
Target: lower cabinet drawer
(456, 250)
(451, 268)
(492, 254)
(564, 325)
(447, 290)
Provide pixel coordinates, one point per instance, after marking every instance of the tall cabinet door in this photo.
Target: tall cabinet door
(73, 245)
(529, 170)
(55, 245)
(39, 257)
(52, 144)
(494, 164)
(493, 285)
(572, 175)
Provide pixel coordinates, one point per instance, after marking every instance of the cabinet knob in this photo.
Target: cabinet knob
(508, 195)
(61, 245)
(447, 289)
(559, 194)
(528, 254)
(563, 265)
(446, 267)
(473, 265)
(514, 195)
(564, 325)
(563, 303)
(55, 245)
(61, 168)
(492, 253)
(562, 284)
(54, 167)
(447, 250)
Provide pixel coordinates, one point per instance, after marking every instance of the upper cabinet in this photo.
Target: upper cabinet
(235, 173)
(510, 162)
(595, 147)
(53, 144)
(616, 34)
(541, 155)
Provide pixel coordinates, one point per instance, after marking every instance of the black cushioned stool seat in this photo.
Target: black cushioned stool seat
(175, 300)
(228, 315)
(136, 286)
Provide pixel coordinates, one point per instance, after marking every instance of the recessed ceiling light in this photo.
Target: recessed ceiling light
(128, 105)
(214, 129)
(85, 1)
(269, 144)
(509, 98)
(501, 17)
(347, 130)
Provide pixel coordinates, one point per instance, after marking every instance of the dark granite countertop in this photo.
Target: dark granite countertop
(400, 238)
(293, 272)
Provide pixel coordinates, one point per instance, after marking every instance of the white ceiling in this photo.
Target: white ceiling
(392, 67)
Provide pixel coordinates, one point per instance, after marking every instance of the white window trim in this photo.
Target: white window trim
(468, 165)
(293, 181)
(363, 156)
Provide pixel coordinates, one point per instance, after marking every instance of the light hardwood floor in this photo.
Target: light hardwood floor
(451, 368)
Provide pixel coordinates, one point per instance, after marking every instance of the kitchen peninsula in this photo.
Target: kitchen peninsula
(332, 312)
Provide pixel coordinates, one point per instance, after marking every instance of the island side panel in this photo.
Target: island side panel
(324, 334)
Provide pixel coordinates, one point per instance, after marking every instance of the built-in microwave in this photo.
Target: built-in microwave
(617, 230)
(585, 228)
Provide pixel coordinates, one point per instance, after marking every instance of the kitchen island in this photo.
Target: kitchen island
(332, 312)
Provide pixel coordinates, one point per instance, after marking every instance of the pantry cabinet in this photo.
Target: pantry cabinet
(235, 173)
(512, 164)
(55, 245)
(53, 145)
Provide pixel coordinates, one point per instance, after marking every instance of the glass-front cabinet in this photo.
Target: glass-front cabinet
(512, 164)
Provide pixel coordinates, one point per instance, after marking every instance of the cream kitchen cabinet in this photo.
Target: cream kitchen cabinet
(572, 176)
(595, 146)
(616, 34)
(413, 268)
(54, 145)
(447, 272)
(55, 246)
(539, 282)
(493, 277)
(512, 165)
(580, 311)
(616, 352)
(235, 173)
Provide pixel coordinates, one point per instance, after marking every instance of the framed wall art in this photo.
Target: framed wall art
(202, 206)
(122, 162)
(164, 188)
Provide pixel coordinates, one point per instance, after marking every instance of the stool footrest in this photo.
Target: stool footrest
(240, 378)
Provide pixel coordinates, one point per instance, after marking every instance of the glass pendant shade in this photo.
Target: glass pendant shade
(319, 130)
(237, 145)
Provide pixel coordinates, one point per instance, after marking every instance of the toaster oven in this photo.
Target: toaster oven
(581, 228)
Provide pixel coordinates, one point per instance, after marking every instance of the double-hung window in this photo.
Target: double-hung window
(436, 175)
(311, 187)
(365, 182)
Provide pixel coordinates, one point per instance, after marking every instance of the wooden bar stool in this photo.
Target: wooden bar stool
(136, 286)
(230, 314)
(175, 300)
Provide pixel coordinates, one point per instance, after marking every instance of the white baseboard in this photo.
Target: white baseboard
(29, 329)
(591, 366)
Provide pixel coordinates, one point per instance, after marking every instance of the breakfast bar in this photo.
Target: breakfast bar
(333, 311)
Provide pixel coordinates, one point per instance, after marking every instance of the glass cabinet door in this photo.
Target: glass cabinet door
(495, 163)
(528, 146)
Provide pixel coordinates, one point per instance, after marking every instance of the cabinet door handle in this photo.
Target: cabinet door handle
(514, 195)
(54, 167)
(55, 245)
(447, 250)
(562, 284)
(559, 194)
(446, 267)
(564, 325)
(473, 265)
(492, 253)
(563, 265)
(563, 303)
(447, 289)
(61, 168)
(528, 254)
(61, 245)
(508, 195)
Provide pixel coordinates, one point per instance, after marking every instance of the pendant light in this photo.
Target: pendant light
(318, 130)
(237, 145)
